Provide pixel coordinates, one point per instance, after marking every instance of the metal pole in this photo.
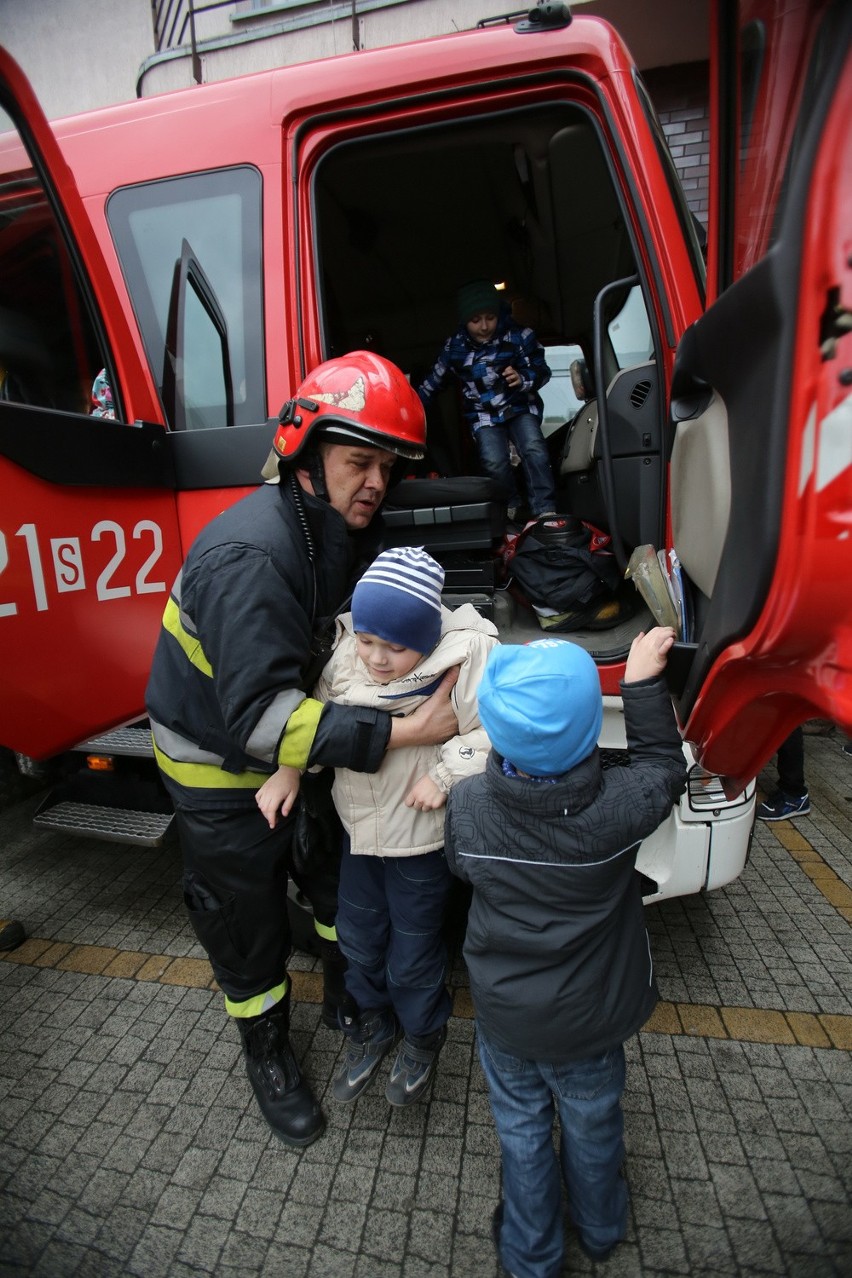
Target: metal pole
(356, 39)
(196, 61)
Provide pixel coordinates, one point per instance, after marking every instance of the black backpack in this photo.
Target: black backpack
(555, 567)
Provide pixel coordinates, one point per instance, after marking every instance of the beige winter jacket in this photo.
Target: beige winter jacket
(372, 804)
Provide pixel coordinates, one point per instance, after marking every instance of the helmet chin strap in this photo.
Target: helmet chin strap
(311, 462)
(316, 470)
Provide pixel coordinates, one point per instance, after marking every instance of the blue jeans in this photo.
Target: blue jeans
(524, 431)
(524, 1097)
(390, 914)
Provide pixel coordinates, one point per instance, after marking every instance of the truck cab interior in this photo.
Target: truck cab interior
(524, 198)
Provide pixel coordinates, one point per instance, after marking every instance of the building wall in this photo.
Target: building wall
(78, 54)
(680, 94)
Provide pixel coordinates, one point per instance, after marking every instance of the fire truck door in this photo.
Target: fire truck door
(88, 526)
(762, 458)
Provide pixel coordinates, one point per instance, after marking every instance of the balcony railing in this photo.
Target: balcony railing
(174, 25)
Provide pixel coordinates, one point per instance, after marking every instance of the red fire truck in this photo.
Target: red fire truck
(207, 247)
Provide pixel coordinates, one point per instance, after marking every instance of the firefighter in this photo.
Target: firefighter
(241, 645)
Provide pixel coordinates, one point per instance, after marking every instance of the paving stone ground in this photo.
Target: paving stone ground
(130, 1144)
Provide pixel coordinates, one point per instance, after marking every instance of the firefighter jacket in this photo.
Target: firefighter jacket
(372, 807)
(240, 645)
(556, 946)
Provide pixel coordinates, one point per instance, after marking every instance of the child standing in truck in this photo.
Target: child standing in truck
(556, 946)
(391, 651)
(500, 367)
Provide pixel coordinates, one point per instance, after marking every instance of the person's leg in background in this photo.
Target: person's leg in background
(525, 434)
(492, 446)
(235, 889)
(790, 799)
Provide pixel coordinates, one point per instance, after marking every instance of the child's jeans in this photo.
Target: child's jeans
(587, 1096)
(492, 444)
(390, 914)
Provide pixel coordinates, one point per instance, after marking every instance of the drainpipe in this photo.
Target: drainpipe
(196, 61)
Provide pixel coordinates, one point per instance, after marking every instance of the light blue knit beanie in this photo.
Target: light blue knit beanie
(540, 704)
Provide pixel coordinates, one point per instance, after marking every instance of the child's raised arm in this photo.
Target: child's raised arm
(278, 794)
(648, 654)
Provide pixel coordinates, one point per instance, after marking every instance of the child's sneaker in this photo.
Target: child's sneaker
(784, 807)
(413, 1067)
(369, 1039)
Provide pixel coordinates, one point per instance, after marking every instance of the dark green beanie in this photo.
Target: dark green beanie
(479, 295)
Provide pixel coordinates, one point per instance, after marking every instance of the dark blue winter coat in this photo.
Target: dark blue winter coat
(556, 947)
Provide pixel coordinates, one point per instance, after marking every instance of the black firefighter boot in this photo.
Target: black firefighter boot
(334, 996)
(285, 1099)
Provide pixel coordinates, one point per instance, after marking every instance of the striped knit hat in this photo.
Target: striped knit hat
(399, 599)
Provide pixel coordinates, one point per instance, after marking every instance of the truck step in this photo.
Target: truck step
(118, 825)
(131, 741)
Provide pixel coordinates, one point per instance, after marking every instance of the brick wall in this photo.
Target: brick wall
(680, 94)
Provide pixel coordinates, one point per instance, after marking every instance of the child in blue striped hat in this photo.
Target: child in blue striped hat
(391, 651)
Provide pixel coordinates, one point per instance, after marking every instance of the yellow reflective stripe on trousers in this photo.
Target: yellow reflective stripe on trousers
(299, 734)
(205, 776)
(258, 1005)
(190, 643)
(327, 933)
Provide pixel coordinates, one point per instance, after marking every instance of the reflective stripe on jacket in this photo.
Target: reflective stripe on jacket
(226, 696)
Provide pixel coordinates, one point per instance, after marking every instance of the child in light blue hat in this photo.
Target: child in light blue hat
(556, 946)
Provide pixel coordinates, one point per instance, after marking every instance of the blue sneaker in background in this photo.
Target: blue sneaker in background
(784, 807)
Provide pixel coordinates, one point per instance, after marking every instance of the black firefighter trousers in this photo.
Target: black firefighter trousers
(235, 889)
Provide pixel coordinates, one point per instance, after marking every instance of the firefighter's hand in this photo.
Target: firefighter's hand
(278, 794)
(648, 654)
(433, 723)
(425, 795)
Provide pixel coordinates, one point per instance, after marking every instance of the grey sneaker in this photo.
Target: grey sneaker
(369, 1039)
(413, 1067)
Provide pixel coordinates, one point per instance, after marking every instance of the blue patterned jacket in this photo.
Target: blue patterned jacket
(488, 401)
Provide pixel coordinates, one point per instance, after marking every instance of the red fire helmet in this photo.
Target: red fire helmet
(358, 398)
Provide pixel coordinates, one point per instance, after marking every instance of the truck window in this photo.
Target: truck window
(49, 353)
(219, 213)
(558, 395)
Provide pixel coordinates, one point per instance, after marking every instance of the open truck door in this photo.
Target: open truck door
(89, 540)
(761, 467)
